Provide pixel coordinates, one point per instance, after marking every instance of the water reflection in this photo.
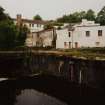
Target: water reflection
(27, 91)
(2, 79)
(13, 96)
(33, 97)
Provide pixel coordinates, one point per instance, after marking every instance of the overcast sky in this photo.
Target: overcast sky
(49, 9)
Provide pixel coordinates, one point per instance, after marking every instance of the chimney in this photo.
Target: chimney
(19, 19)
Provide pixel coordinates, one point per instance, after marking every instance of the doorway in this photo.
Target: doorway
(76, 44)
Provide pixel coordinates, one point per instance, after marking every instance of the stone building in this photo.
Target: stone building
(44, 38)
(38, 37)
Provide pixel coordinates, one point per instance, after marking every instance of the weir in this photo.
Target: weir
(90, 72)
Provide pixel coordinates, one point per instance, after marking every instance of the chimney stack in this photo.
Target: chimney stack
(19, 19)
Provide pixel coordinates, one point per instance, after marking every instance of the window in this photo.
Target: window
(69, 44)
(76, 44)
(32, 25)
(65, 44)
(38, 25)
(97, 43)
(99, 32)
(87, 33)
(69, 34)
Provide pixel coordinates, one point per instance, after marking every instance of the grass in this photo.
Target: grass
(83, 53)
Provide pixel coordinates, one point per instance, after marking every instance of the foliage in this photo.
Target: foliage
(77, 17)
(57, 24)
(59, 27)
(82, 15)
(8, 33)
(3, 16)
(90, 15)
(101, 16)
(37, 17)
(21, 36)
(48, 26)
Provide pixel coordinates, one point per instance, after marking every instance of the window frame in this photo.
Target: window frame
(100, 33)
(69, 34)
(87, 33)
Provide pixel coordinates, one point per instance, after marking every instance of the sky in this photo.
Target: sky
(49, 9)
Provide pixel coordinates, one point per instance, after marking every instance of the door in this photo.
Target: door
(69, 44)
(76, 44)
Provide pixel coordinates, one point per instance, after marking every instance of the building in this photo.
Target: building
(32, 25)
(85, 34)
(44, 38)
(38, 37)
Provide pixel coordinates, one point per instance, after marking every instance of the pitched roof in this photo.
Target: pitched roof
(33, 21)
(43, 31)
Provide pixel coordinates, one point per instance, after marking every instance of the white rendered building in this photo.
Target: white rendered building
(85, 34)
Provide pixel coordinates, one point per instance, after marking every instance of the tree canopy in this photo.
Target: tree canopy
(10, 34)
(48, 26)
(101, 16)
(77, 17)
(37, 17)
(3, 16)
(90, 15)
(22, 35)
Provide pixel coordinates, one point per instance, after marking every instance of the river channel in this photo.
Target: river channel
(50, 80)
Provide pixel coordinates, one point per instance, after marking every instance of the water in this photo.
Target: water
(31, 91)
(47, 90)
(43, 90)
(2, 79)
(33, 97)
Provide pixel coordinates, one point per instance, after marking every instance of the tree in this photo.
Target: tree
(48, 26)
(74, 18)
(101, 16)
(37, 17)
(82, 15)
(90, 15)
(8, 33)
(77, 17)
(3, 16)
(22, 35)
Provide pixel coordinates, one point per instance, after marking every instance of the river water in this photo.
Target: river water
(23, 92)
(42, 90)
(33, 97)
(63, 88)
